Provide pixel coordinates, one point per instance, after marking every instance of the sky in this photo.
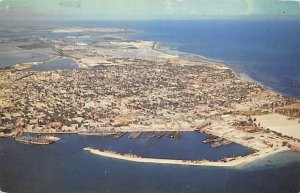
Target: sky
(147, 9)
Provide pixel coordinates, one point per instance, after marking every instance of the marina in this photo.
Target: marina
(69, 154)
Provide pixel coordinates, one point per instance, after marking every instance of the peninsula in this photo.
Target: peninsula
(133, 86)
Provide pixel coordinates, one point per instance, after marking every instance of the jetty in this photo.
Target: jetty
(225, 162)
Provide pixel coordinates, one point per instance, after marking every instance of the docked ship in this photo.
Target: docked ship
(36, 140)
(175, 135)
(161, 134)
(212, 139)
(220, 143)
(119, 134)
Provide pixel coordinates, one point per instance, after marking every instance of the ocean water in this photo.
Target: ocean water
(268, 51)
(64, 167)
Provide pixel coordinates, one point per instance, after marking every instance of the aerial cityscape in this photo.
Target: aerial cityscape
(100, 98)
(130, 86)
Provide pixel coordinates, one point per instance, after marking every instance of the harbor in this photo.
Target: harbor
(69, 154)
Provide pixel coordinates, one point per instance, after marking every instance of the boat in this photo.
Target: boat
(175, 135)
(216, 144)
(134, 135)
(150, 134)
(51, 138)
(119, 135)
(161, 134)
(33, 142)
(212, 139)
(220, 143)
(38, 140)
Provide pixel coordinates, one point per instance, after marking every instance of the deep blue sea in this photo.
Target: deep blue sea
(267, 51)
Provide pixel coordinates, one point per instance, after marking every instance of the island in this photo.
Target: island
(119, 86)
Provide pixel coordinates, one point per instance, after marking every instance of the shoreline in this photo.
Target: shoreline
(196, 57)
(226, 162)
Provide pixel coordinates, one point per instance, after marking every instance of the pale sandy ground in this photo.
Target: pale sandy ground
(236, 162)
(144, 50)
(280, 123)
(93, 61)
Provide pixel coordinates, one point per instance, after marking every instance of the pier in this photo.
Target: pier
(134, 135)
